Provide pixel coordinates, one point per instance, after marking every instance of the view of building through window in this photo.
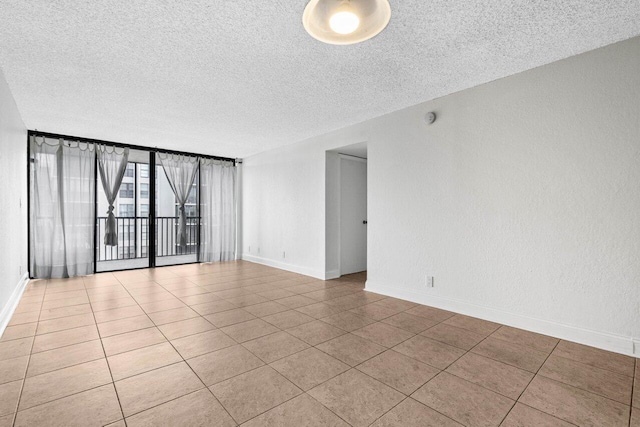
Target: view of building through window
(132, 215)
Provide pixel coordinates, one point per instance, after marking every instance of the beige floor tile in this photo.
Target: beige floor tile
(64, 338)
(229, 317)
(635, 401)
(599, 381)
(275, 346)
(451, 335)
(356, 397)
(410, 413)
(512, 354)
(574, 405)
(64, 357)
(15, 348)
(132, 340)
(249, 330)
(144, 359)
(595, 357)
(173, 315)
(409, 322)
(383, 334)
(122, 326)
(473, 324)
(530, 339)
(25, 307)
(6, 420)
(299, 411)
(9, 395)
(288, 319)
(213, 307)
(266, 308)
(525, 416)
(155, 387)
(55, 325)
(19, 331)
(199, 299)
(13, 369)
(64, 382)
(347, 321)
(318, 310)
(396, 304)
(246, 300)
(374, 311)
(72, 310)
(222, 364)
(432, 313)
(118, 313)
(66, 302)
(184, 328)
(111, 304)
(316, 332)
(95, 407)
(23, 318)
(309, 368)
(276, 294)
(351, 349)
(198, 409)
(491, 374)
(398, 371)
(465, 402)
(263, 387)
(429, 351)
(154, 306)
(202, 343)
(635, 418)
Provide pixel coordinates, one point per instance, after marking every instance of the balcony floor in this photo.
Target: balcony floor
(232, 343)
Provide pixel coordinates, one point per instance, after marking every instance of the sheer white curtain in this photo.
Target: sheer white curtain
(180, 171)
(217, 210)
(62, 208)
(112, 166)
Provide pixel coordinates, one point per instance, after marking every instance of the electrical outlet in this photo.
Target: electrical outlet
(258, 250)
(249, 249)
(429, 282)
(283, 255)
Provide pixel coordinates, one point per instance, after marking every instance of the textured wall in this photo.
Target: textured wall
(13, 195)
(523, 199)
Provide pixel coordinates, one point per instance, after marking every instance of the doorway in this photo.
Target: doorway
(346, 210)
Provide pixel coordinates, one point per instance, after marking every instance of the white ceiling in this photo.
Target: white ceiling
(234, 78)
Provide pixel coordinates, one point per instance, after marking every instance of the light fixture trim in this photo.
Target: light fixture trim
(373, 16)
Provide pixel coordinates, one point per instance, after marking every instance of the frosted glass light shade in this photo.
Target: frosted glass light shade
(322, 21)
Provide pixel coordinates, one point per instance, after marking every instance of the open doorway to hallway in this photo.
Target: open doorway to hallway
(346, 205)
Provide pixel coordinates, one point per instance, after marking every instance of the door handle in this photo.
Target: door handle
(364, 222)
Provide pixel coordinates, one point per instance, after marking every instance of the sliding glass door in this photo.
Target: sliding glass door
(131, 209)
(168, 251)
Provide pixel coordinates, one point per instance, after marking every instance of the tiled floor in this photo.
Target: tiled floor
(239, 343)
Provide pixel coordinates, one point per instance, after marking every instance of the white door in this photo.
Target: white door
(353, 215)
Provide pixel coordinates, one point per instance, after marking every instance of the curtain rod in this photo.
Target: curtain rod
(121, 145)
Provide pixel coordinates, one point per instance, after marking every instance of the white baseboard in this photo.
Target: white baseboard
(611, 342)
(14, 299)
(284, 266)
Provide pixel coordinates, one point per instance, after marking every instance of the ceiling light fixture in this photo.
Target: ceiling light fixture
(345, 21)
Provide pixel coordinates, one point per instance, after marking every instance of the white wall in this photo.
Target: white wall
(523, 200)
(13, 204)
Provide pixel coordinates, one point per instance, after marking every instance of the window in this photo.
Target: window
(130, 170)
(144, 191)
(144, 209)
(126, 210)
(144, 171)
(126, 190)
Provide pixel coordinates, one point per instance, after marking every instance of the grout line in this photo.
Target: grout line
(105, 357)
(26, 369)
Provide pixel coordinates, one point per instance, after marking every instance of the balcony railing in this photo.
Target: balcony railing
(133, 238)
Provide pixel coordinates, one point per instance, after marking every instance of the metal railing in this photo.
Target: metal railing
(133, 238)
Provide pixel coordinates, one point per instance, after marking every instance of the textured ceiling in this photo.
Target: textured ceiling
(237, 77)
